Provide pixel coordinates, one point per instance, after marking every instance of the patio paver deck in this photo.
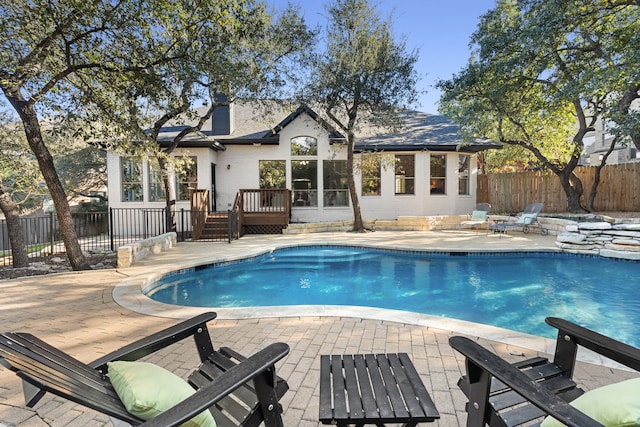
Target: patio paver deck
(77, 312)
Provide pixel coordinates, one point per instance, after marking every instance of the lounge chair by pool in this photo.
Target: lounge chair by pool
(527, 220)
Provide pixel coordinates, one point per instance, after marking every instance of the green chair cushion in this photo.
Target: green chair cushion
(479, 215)
(147, 390)
(614, 405)
(526, 219)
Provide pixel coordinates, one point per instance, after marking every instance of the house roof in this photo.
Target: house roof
(253, 125)
(423, 131)
(195, 141)
(334, 135)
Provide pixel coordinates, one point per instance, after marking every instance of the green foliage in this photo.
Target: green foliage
(20, 177)
(364, 69)
(542, 73)
(273, 174)
(233, 48)
(362, 78)
(81, 167)
(93, 205)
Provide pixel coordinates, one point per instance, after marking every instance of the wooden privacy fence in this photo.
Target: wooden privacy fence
(619, 189)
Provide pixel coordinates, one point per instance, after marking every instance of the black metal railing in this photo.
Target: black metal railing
(104, 230)
(129, 225)
(42, 234)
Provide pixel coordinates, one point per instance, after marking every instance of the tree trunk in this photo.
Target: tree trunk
(47, 167)
(572, 187)
(358, 225)
(170, 193)
(596, 177)
(14, 229)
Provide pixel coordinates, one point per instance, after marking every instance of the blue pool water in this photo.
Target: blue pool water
(514, 290)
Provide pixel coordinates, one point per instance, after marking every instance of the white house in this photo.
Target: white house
(423, 169)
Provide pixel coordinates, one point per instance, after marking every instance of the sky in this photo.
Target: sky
(439, 29)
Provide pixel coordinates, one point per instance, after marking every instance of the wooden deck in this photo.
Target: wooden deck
(263, 211)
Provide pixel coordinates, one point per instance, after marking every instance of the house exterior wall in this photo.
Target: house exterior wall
(238, 168)
(388, 205)
(204, 159)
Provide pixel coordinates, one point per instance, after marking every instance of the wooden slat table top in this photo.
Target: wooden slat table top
(373, 389)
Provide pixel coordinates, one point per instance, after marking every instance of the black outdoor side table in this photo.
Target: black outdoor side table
(373, 389)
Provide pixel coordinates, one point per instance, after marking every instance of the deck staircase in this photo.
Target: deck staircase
(216, 226)
(262, 211)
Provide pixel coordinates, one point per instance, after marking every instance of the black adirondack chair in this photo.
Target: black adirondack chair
(237, 390)
(504, 394)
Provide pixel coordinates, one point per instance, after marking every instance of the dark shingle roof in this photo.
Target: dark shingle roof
(418, 131)
(333, 133)
(423, 131)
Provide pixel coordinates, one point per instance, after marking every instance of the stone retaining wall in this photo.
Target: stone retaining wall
(133, 252)
(610, 239)
(417, 223)
(403, 223)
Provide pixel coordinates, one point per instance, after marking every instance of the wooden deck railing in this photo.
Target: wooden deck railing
(199, 211)
(264, 206)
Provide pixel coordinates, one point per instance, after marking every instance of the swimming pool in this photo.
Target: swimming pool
(510, 290)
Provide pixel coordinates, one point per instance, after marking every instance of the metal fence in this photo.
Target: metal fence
(102, 230)
(42, 234)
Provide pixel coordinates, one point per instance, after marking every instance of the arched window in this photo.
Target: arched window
(304, 146)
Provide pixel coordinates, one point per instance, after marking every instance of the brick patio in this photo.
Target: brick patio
(76, 311)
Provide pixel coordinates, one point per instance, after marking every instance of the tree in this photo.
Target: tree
(517, 114)
(17, 175)
(552, 66)
(600, 50)
(602, 37)
(52, 50)
(22, 189)
(239, 52)
(363, 77)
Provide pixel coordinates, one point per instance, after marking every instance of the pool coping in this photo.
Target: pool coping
(129, 294)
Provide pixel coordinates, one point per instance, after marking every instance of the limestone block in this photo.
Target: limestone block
(627, 248)
(124, 256)
(582, 252)
(574, 238)
(619, 254)
(386, 224)
(632, 242)
(627, 227)
(592, 234)
(555, 221)
(572, 228)
(411, 220)
(607, 219)
(595, 226)
(565, 246)
(129, 254)
(623, 233)
(599, 238)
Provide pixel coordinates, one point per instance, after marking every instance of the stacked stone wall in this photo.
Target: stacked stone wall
(133, 252)
(553, 226)
(403, 223)
(606, 238)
